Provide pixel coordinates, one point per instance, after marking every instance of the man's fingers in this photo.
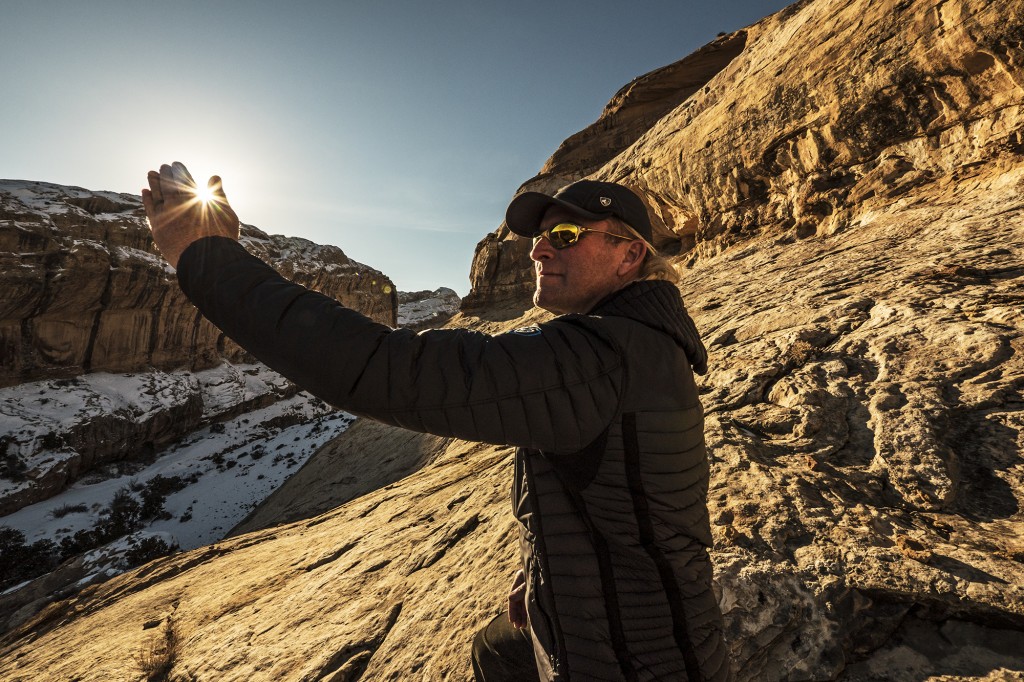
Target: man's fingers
(182, 172)
(176, 182)
(154, 186)
(147, 201)
(517, 615)
(176, 216)
(168, 183)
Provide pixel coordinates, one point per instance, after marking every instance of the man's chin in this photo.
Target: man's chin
(548, 303)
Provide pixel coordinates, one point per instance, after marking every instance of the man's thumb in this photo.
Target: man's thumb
(216, 187)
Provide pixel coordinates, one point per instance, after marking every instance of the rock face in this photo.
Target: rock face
(846, 196)
(82, 288)
(427, 309)
(56, 431)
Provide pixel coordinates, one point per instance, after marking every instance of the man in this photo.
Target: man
(610, 473)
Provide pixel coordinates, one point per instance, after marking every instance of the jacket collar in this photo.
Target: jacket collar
(659, 305)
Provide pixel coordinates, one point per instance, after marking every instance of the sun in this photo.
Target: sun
(204, 195)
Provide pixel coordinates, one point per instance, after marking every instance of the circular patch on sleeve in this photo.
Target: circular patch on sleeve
(527, 331)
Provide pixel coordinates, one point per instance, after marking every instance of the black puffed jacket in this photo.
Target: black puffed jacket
(611, 471)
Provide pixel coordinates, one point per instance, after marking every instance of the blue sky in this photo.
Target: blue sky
(398, 131)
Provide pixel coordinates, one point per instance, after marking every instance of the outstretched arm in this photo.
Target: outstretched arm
(553, 389)
(178, 216)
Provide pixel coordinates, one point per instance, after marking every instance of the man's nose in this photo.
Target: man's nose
(542, 249)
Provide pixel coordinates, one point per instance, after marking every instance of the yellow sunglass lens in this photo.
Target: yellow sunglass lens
(563, 235)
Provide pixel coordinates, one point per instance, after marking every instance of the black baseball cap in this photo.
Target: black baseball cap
(589, 199)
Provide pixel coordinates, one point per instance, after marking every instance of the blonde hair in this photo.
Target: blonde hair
(655, 266)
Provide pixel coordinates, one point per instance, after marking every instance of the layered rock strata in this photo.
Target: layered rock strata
(53, 432)
(793, 126)
(500, 272)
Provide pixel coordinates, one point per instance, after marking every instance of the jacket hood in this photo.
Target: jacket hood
(658, 305)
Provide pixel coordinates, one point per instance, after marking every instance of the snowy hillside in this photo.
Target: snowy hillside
(425, 309)
(190, 494)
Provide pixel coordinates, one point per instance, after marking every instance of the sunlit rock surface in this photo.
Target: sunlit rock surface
(845, 196)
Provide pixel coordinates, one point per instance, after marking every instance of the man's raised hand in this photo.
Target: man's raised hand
(179, 216)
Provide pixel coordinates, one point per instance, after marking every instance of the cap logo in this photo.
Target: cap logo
(605, 201)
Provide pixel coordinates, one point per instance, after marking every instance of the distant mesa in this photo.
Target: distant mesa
(84, 291)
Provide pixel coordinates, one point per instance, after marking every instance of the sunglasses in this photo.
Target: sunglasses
(564, 235)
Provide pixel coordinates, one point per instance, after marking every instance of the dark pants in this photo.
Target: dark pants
(502, 653)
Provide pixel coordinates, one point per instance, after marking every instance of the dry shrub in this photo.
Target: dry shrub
(157, 660)
(799, 353)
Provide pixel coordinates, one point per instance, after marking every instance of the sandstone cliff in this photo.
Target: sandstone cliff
(501, 265)
(845, 196)
(794, 127)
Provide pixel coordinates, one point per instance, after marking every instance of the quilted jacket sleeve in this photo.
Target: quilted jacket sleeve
(555, 390)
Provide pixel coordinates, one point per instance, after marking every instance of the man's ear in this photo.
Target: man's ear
(632, 258)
